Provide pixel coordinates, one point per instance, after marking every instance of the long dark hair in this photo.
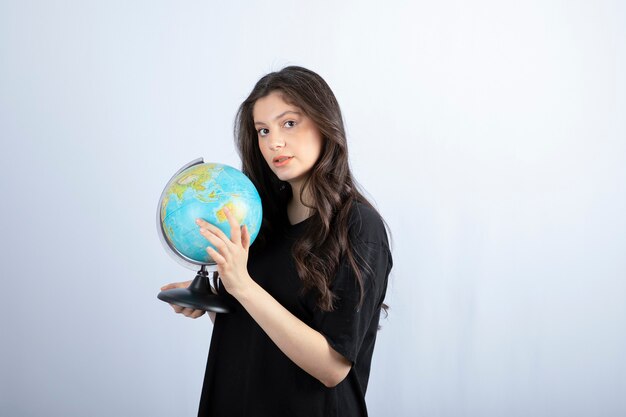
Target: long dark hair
(333, 191)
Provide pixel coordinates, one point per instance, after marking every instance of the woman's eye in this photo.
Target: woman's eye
(290, 123)
(262, 131)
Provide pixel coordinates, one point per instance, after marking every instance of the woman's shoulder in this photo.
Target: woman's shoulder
(366, 224)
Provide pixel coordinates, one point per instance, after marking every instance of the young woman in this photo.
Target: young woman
(308, 294)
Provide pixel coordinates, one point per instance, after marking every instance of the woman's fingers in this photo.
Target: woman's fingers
(188, 312)
(197, 313)
(222, 251)
(212, 228)
(245, 237)
(192, 313)
(216, 241)
(235, 231)
(216, 256)
(183, 284)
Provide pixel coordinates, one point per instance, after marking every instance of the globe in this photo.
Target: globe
(203, 190)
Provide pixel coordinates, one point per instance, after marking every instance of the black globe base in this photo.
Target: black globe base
(198, 295)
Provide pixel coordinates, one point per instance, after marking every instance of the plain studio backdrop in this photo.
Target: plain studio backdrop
(491, 136)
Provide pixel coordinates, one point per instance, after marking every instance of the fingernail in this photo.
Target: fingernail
(198, 221)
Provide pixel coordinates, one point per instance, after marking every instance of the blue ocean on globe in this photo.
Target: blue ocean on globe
(202, 191)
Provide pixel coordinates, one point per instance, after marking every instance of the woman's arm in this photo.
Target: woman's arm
(305, 346)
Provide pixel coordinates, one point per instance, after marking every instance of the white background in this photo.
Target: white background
(491, 135)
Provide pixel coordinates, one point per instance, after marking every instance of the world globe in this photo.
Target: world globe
(203, 190)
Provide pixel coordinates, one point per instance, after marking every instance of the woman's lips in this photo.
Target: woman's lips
(280, 163)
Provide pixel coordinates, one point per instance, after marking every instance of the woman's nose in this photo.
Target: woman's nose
(276, 142)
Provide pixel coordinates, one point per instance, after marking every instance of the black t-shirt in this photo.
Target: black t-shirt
(248, 375)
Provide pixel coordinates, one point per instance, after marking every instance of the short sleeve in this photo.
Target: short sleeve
(347, 325)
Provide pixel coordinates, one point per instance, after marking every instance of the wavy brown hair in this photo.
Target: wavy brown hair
(333, 191)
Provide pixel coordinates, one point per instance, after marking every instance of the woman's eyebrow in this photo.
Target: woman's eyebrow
(279, 116)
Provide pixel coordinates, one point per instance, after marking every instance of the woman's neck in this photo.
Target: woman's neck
(296, 210)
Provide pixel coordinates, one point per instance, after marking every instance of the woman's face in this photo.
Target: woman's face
(288, 139)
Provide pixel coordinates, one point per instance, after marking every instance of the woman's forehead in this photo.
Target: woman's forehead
(272, 106)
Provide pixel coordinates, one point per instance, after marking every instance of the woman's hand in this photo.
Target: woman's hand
(188, 312)
(231, 255)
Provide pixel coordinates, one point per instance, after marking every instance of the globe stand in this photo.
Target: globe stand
(198, 295)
